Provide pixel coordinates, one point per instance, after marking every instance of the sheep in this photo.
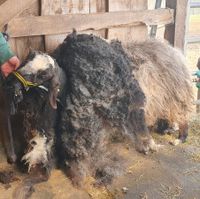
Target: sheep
(106, 96)
(165, 80)
(34, 90)
(100, 100)
(103, 99)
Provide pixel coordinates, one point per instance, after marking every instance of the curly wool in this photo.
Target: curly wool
(101, 96)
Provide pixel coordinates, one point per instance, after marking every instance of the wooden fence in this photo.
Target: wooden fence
(43, 24)
(193, 35)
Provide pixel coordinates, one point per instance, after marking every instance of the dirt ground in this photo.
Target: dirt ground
(171, 173)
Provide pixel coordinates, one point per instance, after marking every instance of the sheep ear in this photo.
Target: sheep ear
(54, 90)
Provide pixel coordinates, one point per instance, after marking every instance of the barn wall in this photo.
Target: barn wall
(22, 45)
(133, 33)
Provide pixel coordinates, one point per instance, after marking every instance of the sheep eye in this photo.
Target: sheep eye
(42, 74)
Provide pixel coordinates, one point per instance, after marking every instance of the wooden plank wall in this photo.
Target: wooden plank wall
(176, 33)
(22, 45)
(50, 7)
(138, 32)
(42, 25)
(69, 7)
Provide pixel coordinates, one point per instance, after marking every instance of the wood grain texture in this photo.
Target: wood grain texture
(181, 26)
(58, 24)
(2, 1)
(169, 33)
(176, 33)
(10, 8)
(22, 45)
(138, 32)
(58, 8)
(99, 6)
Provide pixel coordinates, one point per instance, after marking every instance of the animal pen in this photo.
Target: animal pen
(42, 25)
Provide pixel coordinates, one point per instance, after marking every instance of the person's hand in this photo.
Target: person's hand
(9, 66)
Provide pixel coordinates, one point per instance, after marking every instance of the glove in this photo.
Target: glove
(198, 85)
(8, 61)
(9, 66)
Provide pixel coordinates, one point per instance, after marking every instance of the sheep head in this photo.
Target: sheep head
(39, 69)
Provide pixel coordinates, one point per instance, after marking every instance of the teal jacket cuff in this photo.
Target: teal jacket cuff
(5, 51)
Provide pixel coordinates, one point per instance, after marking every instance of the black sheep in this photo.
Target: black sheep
(34, 91)
(102, 97)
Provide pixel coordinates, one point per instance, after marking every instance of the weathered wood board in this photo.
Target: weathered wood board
(131, 33)
(57, 7)
(42, 25)
(70, 7)
(11, 8)
(22, 45)
(176, 33)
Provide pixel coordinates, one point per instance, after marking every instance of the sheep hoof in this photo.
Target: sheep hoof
(74, 174)
(154, 147)
(175, 142)
(147, 144)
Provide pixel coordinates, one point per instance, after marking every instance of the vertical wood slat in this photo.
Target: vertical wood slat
(128, 34)
(170, 29)
(50, 7)
(99, 6)
(181, 26)
(21, 46)
(176, 33)
(66, 7)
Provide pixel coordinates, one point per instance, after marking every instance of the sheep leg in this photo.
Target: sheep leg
(144, 141)
(37, 174)
(37, 158)
(6, 128)
(8, 140)
(73, 171)
(162, 126)
(183, 133)
(39, 150)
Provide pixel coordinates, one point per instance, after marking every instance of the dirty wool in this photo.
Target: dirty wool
(103, 101)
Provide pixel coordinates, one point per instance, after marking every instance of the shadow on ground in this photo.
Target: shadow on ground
(171, 173)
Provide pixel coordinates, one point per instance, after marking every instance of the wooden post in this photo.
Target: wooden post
(176, 33)
(170, 29)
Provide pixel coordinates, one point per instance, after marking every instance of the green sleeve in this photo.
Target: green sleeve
(5, 51)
